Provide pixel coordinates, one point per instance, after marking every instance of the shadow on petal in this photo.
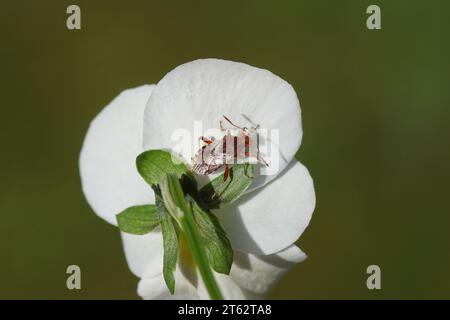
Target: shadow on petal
(231, 220)
(270, 219)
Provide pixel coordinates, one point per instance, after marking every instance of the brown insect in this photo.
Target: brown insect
(238, 145)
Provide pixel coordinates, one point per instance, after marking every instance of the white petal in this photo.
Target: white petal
(155, 288)
(109, 177)
(144, 253)
(259, 274)
(204, 90)
(229, 289)
(251, 276)
(272, 218)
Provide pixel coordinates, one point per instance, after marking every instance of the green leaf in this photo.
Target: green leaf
(219, 194)
(217, 246)
(173, 196)
(153, 165)
(181, 210)
(138, 219)
(170, 241)
(197, 250)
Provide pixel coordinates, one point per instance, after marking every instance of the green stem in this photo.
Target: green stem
(180, 207)
(195, 246)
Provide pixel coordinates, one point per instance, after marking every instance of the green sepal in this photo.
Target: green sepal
(169, 231)
(180, 207)
(138, 219)
(217, 245)
(218, 193)
(153, 165)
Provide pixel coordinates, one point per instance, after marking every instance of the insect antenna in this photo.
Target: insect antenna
(262, 160)
(230, 122)
(254, 125)
(258, 155)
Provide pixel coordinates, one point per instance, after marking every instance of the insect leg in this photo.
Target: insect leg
(258, 155)
(205, 140)
(245, 170)
(264, 162)
(225, 174)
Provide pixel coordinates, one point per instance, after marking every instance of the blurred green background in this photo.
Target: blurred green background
(375, 114)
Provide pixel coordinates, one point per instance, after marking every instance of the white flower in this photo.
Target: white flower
(262, 225)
